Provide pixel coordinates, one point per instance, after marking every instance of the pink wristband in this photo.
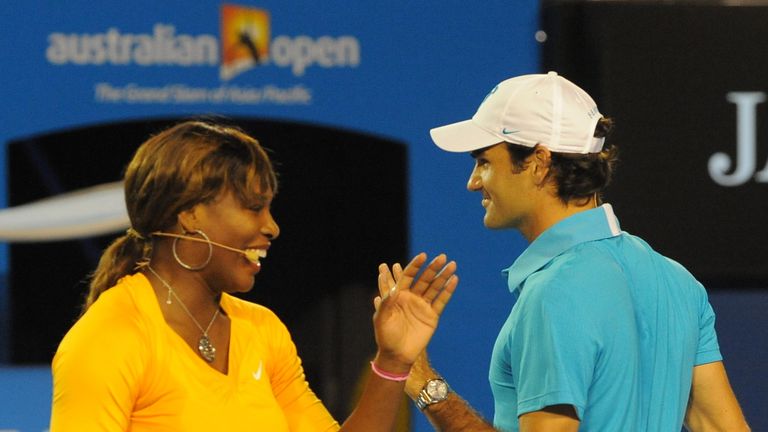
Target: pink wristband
(388, 376)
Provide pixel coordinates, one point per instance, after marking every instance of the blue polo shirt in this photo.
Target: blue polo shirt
(602, 322)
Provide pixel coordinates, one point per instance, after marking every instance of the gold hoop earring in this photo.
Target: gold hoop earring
(187, 266)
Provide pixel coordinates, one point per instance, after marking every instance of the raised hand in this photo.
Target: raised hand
(409, 306)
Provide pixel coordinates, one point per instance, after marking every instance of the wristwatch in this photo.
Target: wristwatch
(434, 391)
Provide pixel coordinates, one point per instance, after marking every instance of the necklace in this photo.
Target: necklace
(204, 345)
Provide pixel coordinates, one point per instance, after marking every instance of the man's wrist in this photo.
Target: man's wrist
(433, 392)
(414, 384)
(421, 372)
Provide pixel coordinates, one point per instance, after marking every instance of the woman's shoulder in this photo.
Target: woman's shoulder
(125, 303)
(113, 327)
(117, 315)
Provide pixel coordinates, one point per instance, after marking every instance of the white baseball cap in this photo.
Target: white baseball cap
(544, 109)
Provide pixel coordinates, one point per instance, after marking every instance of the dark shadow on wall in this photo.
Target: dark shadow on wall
(663, 71)
(342, 209)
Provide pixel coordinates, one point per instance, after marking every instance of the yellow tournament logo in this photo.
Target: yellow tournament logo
(245, 42)
(245, 39)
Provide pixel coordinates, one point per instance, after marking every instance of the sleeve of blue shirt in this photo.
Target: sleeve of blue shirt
(553, 347)
(709, 349)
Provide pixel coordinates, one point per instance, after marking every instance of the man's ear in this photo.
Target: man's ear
(541, 160)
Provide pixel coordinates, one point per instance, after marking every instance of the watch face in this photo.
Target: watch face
(437, 389)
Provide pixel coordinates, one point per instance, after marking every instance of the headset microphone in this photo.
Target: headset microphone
(252, 255)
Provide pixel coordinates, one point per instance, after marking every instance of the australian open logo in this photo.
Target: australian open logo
(245, 43)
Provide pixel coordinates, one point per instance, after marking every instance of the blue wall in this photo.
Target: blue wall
(742, 330)
(421, 64)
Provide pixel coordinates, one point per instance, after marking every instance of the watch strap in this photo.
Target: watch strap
(424, 399)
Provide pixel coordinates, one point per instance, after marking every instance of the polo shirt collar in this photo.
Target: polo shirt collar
(589, 225)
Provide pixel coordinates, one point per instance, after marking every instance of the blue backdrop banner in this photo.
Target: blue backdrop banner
(389, 69)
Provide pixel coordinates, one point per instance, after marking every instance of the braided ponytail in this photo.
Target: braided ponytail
(122, 257)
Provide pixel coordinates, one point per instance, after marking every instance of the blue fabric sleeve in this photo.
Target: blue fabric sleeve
(709, 349)
(554, 350)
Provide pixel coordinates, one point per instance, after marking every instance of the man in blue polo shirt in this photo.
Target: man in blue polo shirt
(604, 333)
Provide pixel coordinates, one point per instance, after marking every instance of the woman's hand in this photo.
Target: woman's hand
(408, 309)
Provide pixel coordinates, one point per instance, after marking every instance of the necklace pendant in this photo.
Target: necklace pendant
(206, 348)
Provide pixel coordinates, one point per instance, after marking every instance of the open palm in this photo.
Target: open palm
(409, 307)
